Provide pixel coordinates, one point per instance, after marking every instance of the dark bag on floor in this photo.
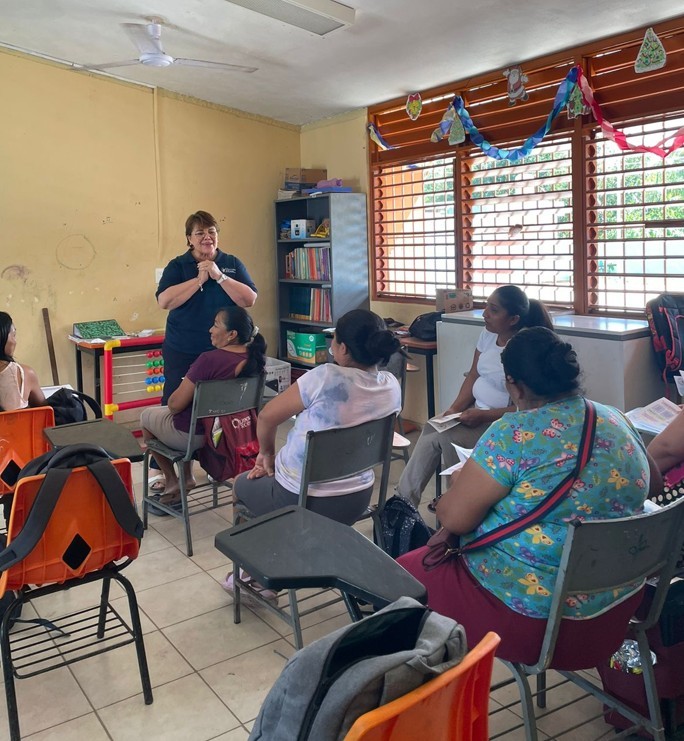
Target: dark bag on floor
(69, 406)
(328, 684)
(7, 598)
(424, 326)
(398, 527)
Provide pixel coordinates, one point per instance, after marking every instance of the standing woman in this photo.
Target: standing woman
(193, 287)
(19, 386)
(483, 397)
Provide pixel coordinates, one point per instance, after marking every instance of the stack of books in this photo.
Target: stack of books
(310, 262)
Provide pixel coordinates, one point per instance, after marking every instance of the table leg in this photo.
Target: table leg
(98, 394)
(430, 372)
(79, 369)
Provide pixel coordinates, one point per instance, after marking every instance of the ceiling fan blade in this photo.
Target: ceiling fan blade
(97, 67)
(214, 65)
(147, 38)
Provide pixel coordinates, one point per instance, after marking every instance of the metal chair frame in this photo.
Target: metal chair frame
(211, 399)
(598, 556)
(330, 455)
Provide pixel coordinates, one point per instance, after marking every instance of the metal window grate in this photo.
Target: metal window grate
(517, 223)
(635, 219)
(415, 250)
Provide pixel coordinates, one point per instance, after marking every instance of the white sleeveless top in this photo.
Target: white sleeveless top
(12, 388)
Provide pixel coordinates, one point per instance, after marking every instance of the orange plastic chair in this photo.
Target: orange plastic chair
(82, 542)
(450, 707)
(21, 440)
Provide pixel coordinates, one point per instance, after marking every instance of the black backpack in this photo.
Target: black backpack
(398, 527)
(424, 326)
(665, 316)
(68, 406)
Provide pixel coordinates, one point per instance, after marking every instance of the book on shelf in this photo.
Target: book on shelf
(308, 263)
(654, 417)
(311, 304)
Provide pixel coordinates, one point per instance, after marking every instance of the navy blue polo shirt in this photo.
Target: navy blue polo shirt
(187, 327)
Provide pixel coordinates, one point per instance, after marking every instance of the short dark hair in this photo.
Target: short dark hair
(366, 336)
(200, 218)
(541, 360)
(5, 329)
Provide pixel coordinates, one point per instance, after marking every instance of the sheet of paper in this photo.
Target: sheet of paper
(49, 390)
(463, 455)
(445, 422)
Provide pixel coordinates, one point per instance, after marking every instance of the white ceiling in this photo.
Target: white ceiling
(394, 47)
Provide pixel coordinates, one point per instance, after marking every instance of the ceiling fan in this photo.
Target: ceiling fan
(147, 38)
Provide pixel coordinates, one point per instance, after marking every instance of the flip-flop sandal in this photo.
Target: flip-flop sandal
(433, 505)
(267, 594)
(159, 512)
(157, 485)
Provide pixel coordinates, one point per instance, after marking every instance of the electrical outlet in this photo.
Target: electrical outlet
(158, 274)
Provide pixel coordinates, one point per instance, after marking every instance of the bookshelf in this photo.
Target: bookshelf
(320, 278)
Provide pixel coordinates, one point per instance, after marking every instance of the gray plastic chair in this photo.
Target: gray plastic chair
(211, 399)
(396, 365)
(598, 556)
(330, 455)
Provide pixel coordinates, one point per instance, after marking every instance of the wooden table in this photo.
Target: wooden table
(428, 350)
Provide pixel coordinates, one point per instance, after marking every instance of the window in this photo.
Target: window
(578, 223)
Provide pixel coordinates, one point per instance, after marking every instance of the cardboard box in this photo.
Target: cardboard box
(306, 347)
(450, 300)
(302, 228)
(302, 175)
(278, 372)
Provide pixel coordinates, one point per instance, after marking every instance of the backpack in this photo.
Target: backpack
(68, 406)
(57, 464)
(328, 684)
(230, 444)
(424, 326)
(398, 527)
(665, 316)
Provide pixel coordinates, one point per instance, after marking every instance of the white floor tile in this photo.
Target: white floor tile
(86, 727)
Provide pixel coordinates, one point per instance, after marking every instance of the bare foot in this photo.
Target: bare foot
(170, 496)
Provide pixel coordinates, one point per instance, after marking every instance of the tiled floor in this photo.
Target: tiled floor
(209, 676)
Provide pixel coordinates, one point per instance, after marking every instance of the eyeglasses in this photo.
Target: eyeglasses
(200, 233)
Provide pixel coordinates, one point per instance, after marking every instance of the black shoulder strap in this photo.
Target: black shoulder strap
(46, 500)
(117, 496)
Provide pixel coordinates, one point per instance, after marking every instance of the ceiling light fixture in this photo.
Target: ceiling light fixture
(316, 16)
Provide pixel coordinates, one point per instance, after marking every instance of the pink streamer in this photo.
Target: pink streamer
(618, 136)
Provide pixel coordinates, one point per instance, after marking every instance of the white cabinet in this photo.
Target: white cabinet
(615, 355)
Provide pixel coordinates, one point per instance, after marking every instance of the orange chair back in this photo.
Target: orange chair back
(81, 512)
(22, 439)
(450, 707)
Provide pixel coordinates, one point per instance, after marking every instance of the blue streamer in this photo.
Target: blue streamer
(377, 137)
(513, 155)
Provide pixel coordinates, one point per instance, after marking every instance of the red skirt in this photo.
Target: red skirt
(453, 591)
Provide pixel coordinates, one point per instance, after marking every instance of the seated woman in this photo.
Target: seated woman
(240, 351)
(667, 450)
(341, 394)
(483, 397)
(19, 387)
(507, 587)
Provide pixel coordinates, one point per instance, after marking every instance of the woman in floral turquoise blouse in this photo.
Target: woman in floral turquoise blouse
(507, 587)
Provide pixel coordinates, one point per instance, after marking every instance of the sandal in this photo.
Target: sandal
(268, 594)
(433, 505)
(157, 485)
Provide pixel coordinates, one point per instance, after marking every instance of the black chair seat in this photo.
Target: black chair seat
(328, 554)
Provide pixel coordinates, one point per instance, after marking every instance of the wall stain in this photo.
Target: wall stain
(16, 272)
(75, 252)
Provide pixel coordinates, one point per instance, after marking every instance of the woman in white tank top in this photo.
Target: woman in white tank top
(19, 386)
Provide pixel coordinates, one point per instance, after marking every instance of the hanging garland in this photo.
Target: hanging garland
(574, 81)
(618, 136)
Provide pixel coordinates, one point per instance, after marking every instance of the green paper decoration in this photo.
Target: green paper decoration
(651, 55)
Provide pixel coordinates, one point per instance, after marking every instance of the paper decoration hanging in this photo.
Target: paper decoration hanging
(414, 105)
(457, 132)
(576, 106)
(651, 54)
(450, 126)
(376, 136)
(516, 84)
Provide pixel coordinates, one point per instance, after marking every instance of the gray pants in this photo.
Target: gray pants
(431, 448)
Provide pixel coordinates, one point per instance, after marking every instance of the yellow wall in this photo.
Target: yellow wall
(98, 178)
(340, 145)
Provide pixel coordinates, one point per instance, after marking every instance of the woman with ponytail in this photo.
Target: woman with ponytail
(506, 585)
(483, 397)
(240, 350)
